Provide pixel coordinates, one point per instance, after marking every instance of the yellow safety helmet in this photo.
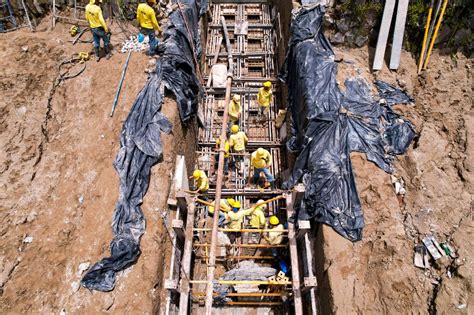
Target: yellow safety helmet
(274, 220)
(151, 1)
(236, 98)
(234, 128)
(260, 152)
(267, 84)
(196, 174)
(233, 203)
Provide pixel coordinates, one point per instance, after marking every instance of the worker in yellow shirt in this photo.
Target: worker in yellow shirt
(202, 182)
(225, 206)
(274, 237)
(238, 140)
(98, 28)
(234, 220)
(264, 99)
(257, 220)
(226, 155)
(235, 110)
(148, 24)
(261, 160)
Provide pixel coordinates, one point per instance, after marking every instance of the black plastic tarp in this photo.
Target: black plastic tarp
(328, 124)
(140, 143)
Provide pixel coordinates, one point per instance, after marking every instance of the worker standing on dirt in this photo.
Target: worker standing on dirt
(202, 182)
(148, 24)
(235, 110)
(234, 219)
(275, 236)
(98, 28)
(261, 160)
(264, 99)
(257, 220)
(238, 140)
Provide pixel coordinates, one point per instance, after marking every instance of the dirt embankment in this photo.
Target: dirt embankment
(58, 187)
(377, 275)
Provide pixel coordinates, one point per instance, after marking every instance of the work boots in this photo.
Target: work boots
(97, 53)
(107, 52)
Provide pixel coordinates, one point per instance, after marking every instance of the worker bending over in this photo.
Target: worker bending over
(238, 140)
(257, 221)
(225, 206)
(98, 28)
(264, 99)
(234, 220)
(261, 160)
(235, 110)
(202, 182)
(148, 24)
(274, 237)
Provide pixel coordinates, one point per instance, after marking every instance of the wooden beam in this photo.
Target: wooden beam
(295, 271)
(178, 227)
(186, 262)
(383, 34)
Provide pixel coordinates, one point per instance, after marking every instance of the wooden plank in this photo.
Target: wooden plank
(383, 34)
(295, 271)
(186, 262)
(398, 33)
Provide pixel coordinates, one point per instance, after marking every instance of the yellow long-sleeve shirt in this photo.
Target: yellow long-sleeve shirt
(146, 17)
(234, 110)
(224, 207)
(235, 218)
(264, 98)
(261, 161)
(94, 16)
(202, 182)
(238, 141)
(258, 218)
(275, 238)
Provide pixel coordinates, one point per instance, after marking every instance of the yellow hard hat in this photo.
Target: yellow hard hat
(274, 220)
(233, 203)
(267, 84)
(196, 174)
(264, 206)
(151, 1)
(260, 152)
(234, 128)
(236, 98)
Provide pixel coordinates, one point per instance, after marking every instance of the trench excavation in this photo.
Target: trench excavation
(255, 37)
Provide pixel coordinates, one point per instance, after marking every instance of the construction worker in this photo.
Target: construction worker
(276, 237)
(238, 140)
(226, 155)
(261, 160)
(264, 99)
(257, 220)
(224, 208)
(202, 182)
(98, 28)
(234, 110)
(148, 24)
(234, 219)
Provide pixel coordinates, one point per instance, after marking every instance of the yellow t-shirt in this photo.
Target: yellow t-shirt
(235, 218)
(258, 218)
(226, 147)
(261, 161)
(234, 110)
(238, 141)
(94, 17)
(146, 17)
(203, 182)
(264, 98)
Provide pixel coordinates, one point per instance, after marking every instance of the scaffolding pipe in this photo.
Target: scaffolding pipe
(235, 282)
(220, 176)
(243, 245)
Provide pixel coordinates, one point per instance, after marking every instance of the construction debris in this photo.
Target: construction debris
(133, 44)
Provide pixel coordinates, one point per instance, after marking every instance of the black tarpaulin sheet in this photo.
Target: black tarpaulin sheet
(328, 124)
(140, 143)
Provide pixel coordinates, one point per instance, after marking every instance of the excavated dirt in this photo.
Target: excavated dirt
(377, 275)
(58, 187)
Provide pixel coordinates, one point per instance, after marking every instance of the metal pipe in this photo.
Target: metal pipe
(238, 230)
(243, 245)
(234, 282)
(120, 84)
(220, 176)
(428, 55)
(249, 294)
(425, 37)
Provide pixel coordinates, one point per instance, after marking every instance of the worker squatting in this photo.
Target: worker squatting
(231, 214)
(146, 20)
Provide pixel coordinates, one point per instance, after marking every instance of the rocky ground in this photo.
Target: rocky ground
(377, 275)
(58, 187)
